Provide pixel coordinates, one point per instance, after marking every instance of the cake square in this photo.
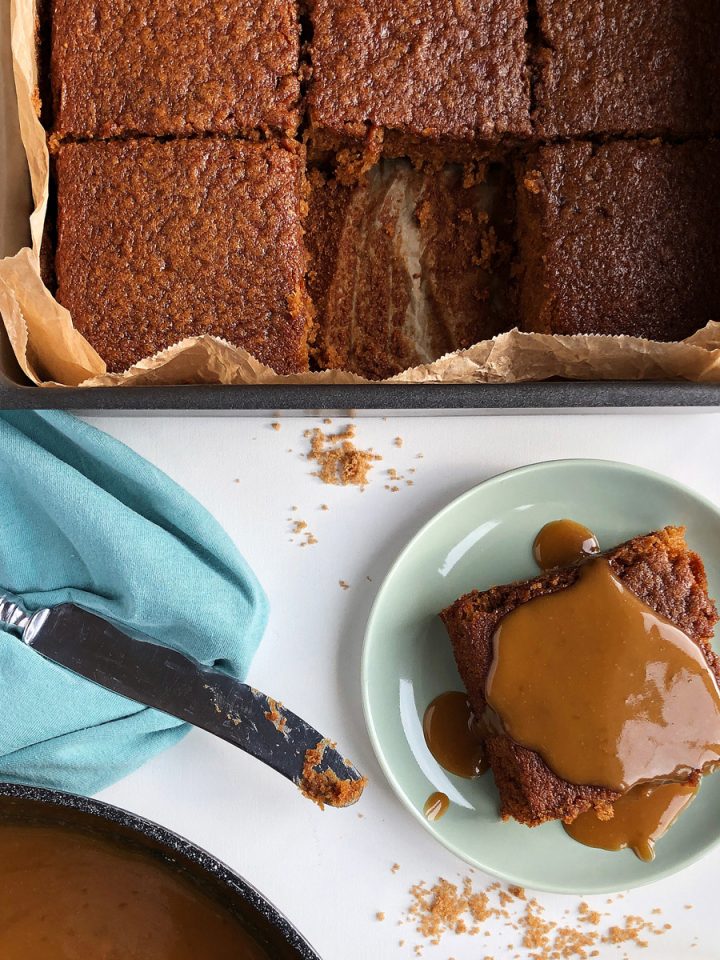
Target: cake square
(158, 241)
(407, 265)
(125, 67)
(620, 238)
(614, 67)
(418, 73)
(662, 571)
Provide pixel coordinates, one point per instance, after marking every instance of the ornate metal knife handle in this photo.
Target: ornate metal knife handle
(13, 616)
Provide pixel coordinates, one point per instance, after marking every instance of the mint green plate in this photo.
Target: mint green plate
(483, 538)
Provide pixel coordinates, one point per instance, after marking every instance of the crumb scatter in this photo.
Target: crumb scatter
(339, 461)
(459, 908)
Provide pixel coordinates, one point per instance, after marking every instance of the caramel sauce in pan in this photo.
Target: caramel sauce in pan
(454, 736)
(67, 895)
(562, 542)
(608, 692)
(642, 816)
(436, 806)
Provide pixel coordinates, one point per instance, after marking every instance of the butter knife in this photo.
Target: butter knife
(156, 676)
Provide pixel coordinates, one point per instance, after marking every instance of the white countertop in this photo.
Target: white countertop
(330, 872)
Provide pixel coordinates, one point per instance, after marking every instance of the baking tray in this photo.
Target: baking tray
(17, 392)
(367, 400)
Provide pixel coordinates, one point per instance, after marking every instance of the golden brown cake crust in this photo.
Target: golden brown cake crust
(659, 569)
(420, 68)
(158, 241)
(613, 67)
(126, 66)
(617, 238)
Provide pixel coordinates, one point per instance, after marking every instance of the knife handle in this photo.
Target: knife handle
(13, 616)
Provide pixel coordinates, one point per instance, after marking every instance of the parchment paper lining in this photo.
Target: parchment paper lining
(52, 352)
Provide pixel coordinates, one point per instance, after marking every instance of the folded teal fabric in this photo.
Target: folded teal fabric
(84, 519)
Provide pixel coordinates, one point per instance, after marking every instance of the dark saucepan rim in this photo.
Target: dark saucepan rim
(175, 844)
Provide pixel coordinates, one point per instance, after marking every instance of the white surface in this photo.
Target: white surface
(330, 872)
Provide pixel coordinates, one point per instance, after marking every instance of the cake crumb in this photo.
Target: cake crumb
(339, 461)
(324, 506)
(324, 786)
(344, 584)
(301, 526)
(532, 181)
(398, 441)
(275, 425)
(394, 868)
(380, 915)
(275, 715)
(588, 915)
(327, 420)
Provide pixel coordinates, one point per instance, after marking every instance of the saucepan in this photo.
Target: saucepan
(265, 925)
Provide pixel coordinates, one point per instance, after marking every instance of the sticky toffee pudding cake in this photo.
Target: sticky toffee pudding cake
(158, 241)
(435, 174)
(124, 67)
(418, 77)
(593, 680)
(616, 238)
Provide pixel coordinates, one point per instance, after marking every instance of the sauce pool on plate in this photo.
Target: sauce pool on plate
(453, 736)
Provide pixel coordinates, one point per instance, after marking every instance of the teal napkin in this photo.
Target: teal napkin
(84, 519)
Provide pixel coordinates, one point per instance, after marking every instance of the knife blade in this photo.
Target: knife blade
(167, 680)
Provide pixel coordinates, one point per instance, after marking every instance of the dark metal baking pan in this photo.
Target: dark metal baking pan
(428, 399)
(16, 392)
(261, 919)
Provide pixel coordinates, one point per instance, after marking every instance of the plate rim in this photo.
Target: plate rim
(496, 479)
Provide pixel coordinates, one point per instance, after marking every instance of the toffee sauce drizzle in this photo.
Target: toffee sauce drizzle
(608, 692)
(454, 738)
